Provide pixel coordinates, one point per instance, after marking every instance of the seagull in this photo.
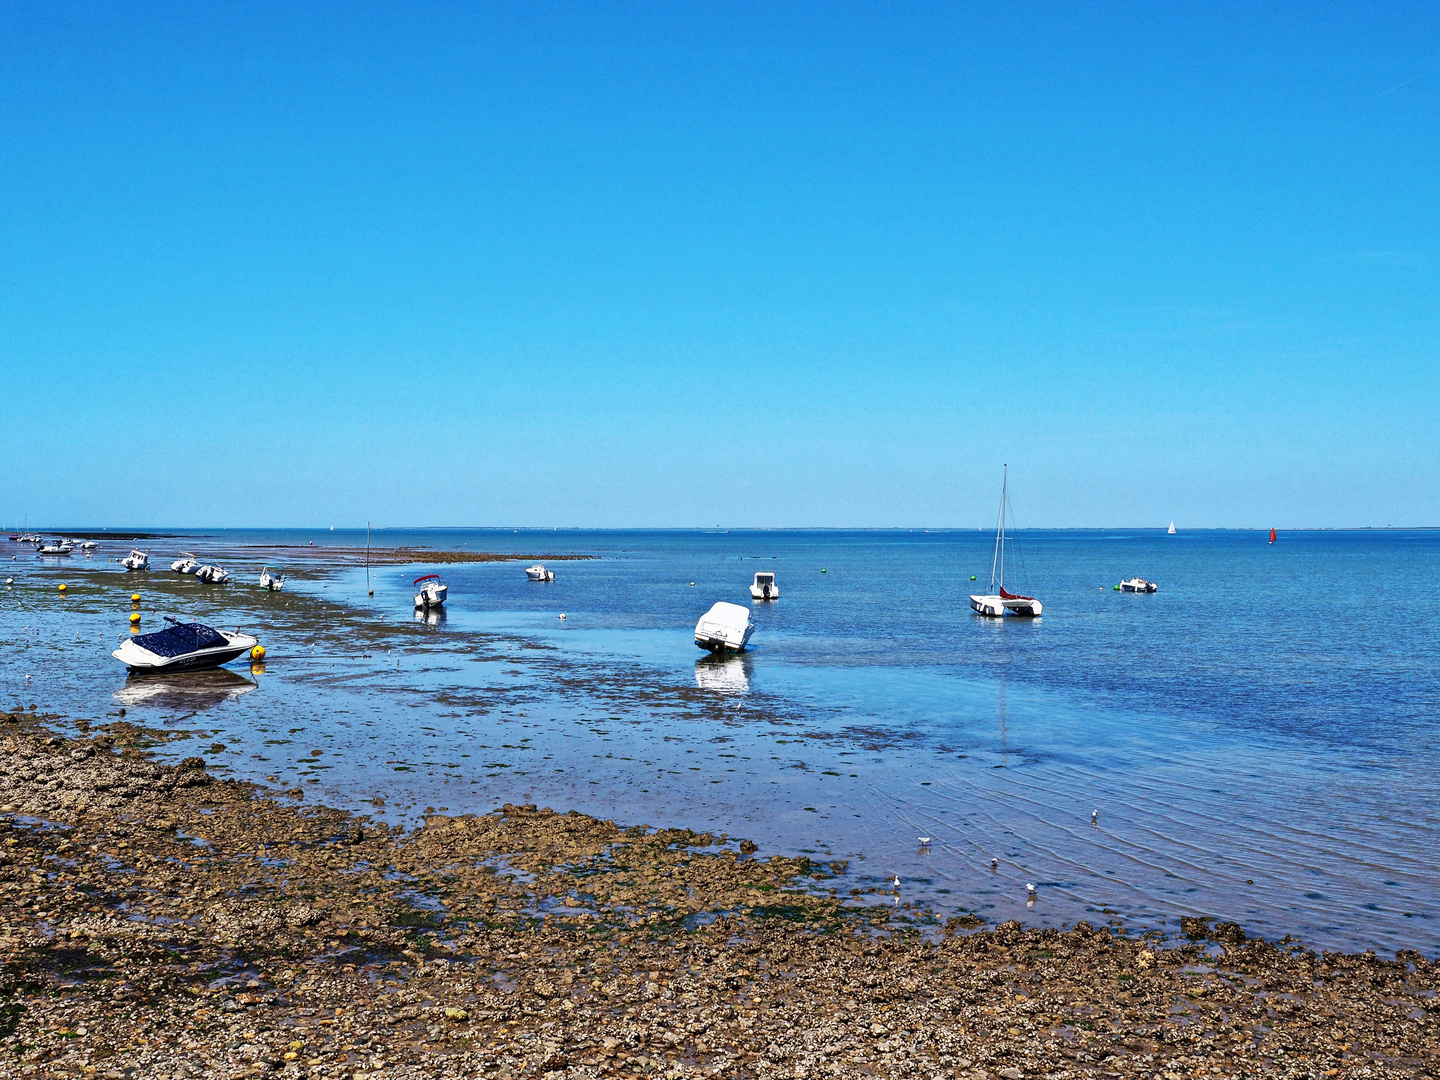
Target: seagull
(897, 881)
(994, 864)
(924, 841)
(1094, 817)
(562, 616)
(1030, 889)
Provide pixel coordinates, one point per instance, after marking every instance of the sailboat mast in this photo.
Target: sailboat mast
(1004, 493)
(998, 559)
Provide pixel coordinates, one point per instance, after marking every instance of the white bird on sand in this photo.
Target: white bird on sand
(924, 840)
(897, 881)
(1030, 889)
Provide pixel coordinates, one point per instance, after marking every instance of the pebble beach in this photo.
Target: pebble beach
(159, 922)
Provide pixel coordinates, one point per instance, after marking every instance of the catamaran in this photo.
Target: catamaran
(998, 600)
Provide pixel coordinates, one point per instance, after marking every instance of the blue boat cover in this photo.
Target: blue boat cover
(180, 639)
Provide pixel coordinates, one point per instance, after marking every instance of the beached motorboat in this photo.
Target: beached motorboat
(183, 647)
(271, 581)
(136, 560)
(89, 545)
(998, 600)
(186, 564)
(430, 591)
(56, 547)
(212, 575)
(539, 573)
(764, 587)
(1137, 584)
(724, 626)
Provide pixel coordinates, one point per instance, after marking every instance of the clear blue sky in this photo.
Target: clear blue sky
(698, 264)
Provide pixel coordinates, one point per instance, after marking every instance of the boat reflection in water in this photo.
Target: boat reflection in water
(192, 691)
(430, 616)
(723, 674)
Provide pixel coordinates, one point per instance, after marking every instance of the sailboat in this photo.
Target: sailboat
(1171, 530)
(998, 601)
(1272, 534)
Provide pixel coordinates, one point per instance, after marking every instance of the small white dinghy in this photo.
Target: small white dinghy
(724, 626)
(764, 587)
(186, 564)
(136, 560)
(1138, 584)
(270, 581)
(430, 591)
(998, 600)
(183, 647)
(539, 573)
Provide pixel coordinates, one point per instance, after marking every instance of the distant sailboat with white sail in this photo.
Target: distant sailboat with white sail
(1171, 530)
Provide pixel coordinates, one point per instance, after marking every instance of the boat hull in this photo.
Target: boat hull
(996, 606)
(724, 628)
(137, 659)
(764, 592)
(431, 597)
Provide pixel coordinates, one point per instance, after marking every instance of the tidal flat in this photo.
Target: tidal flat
(162, 922)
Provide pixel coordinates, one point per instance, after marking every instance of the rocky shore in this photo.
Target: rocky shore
(159, 923)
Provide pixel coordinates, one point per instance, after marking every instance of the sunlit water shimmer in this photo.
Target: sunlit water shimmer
(1258, 737)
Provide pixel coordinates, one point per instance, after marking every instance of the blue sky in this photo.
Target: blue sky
(670, 265)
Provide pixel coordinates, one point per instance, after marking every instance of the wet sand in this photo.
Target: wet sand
(160, 922)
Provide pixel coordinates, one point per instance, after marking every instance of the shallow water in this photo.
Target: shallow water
(1258, 737)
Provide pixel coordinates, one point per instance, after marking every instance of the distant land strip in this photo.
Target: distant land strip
(394, 556)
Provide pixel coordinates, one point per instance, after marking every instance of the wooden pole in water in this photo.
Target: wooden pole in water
(367, 559)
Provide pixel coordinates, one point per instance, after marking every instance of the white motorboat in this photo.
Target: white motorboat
(764, 587)
(136, 560)
(430, 591)
(183, 647)
(539, 573)
(724, 626)
(186, 564)
(271, 581)
(89, 545)
(998, 600)
(212, 575)
(1137, 584)
(56, 547)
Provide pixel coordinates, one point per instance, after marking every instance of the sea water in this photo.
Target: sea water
(1255, 741)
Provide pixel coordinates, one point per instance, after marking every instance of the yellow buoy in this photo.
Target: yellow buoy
(257, 653)
(62, 588)
(134, 597)
(135, 616)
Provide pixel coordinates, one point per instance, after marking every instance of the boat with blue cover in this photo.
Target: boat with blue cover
(183, 647)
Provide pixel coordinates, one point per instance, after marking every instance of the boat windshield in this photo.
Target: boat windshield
(764, 579)
(180, 639)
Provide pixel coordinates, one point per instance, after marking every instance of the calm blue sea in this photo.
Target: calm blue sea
(1256, 741)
